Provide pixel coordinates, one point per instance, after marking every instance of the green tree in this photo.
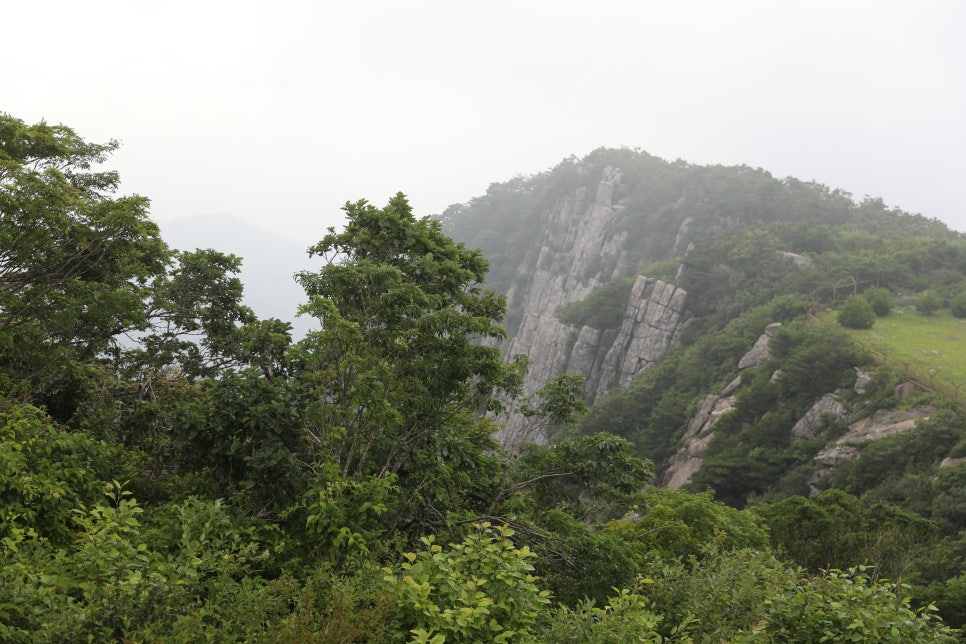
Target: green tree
(88, 289)
(928, 302)
(837, 530)
(857, 313)
(957, 305)
(404, 361)
(75, 261)
(880, 299)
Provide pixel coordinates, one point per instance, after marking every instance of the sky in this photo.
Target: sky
(280, 112)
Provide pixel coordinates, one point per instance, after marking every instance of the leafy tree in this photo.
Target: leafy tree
(75, 261)
(846, 607)
(836, 530)
(585, 474)
(624, 617)
(957, 305)
(856, 313)
(47, 472)
(673, 523)
(880, 299)
(403, 361)
(928, 302)
(603, 308)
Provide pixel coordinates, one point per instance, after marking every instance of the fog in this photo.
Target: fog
(279, 113)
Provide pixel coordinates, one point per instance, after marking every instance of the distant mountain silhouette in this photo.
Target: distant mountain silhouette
(269, 264)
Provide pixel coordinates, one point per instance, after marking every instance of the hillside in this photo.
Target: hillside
(680, 294)
(932, 348)
(174, 467)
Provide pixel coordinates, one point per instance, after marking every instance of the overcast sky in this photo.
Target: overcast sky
(280, 112)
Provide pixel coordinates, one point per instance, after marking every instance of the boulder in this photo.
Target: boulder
(808, 426)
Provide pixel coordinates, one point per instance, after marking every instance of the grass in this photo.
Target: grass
(932, 347)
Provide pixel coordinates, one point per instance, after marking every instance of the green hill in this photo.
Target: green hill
(932, 348)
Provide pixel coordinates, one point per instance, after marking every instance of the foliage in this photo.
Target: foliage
(928, 302)
(624, 617)
(846, 607)
(717, 593)
(173, 469)
(673, 523)
(603, 309)
(558, 403)
(856, 313)
(75, 261)
(957, 305)
(45, 473)
(836, 530)
(653, 412)
(880, 299)
(399, 367)
(914, 452)
(584, 474)
(480, 589)
(246, 433)
(579, 562)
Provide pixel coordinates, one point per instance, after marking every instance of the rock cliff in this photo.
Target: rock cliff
(578, 254)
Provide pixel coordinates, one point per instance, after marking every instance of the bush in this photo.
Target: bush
(479, 590)
(880, 299)
(928, 302)
(857, 313)
(958, 305)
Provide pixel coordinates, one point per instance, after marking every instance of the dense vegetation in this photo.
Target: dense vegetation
(752, 250)
(174, 469)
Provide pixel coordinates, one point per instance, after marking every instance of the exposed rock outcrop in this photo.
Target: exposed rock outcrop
(808, 426)
(577, 255)
(952, 462)
(879, 425)
(606, 358)
(759, 352)
(796, 260)
(689, 458)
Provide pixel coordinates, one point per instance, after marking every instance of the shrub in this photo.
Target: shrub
(479, 590)
(958, 305)
(857, 313)
(880, 299)
(928, 302)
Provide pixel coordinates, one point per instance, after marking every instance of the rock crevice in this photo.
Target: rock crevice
(577, 255)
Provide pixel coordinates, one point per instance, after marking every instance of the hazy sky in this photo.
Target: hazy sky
(279, 112)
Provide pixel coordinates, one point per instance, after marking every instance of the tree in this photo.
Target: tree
(880, 299)
(957, 306)
(75, 261)
(837, 530)
(928, 302)
(481, 589)
(404, 360)
(856, 313)
(81, 268)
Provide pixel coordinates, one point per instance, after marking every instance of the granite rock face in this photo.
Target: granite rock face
(809, 425)
(881, 424)
(579, 253)
(689, 458)
(759, 353)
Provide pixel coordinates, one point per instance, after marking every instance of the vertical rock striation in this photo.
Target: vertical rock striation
(578, 254)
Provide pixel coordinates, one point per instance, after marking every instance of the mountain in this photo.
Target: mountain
(269, 261)
(664, 284)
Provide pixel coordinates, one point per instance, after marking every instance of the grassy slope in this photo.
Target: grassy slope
(931, 347)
